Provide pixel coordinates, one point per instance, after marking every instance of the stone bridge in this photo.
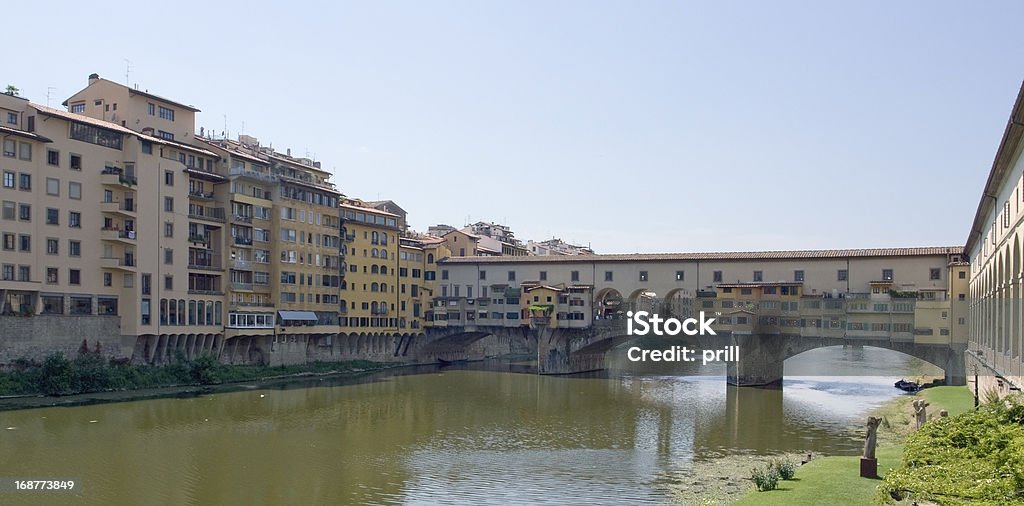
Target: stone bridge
(761, 355)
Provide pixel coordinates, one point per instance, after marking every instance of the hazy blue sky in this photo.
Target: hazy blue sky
(635, 126)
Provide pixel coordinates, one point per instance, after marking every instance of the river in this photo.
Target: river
(431, 435)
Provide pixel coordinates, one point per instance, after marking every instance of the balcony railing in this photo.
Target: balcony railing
(114, 206)
(206, 213)
(244, 265)
(243, 219)
(210, 264)
(117, 233)
(238, 285)
(243, 241)
(202, 239)
(196, 194)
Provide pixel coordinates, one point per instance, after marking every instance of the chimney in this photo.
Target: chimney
(93, 78)
(289, 151)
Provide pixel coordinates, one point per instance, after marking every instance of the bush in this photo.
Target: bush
(205, 370)
(785, 468)
(765, 477)
(973, 458)
(57, 375)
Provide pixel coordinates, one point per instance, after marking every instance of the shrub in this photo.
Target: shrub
(57, 375)
(785, 468)
(765, 477)
(205, 370)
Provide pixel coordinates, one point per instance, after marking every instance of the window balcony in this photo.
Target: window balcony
(126, 208)
(197, 212)
(118, 235)
(241, 265)
(199, 239)
(122, 264)
(200, 195)
(243, 241)
(239, 285)
(239, 218)
(112, 176)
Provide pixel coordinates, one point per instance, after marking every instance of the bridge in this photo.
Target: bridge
(571, 312)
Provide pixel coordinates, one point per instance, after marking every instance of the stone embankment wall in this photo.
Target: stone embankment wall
(35, 337)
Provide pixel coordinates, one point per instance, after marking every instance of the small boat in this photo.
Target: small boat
(907, 386)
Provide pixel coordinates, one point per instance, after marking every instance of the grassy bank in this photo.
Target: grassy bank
(836, 479)
(90, 372)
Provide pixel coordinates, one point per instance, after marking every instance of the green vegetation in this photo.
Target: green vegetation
(785, 468)
(974, 458)
(836, 479)
(90, 372)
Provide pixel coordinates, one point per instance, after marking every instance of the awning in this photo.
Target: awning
(541, 307)
(512, 292)
(302, 316)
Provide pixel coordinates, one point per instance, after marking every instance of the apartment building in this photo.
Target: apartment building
(994, 360)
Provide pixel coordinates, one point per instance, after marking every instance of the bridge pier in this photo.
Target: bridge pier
(760, 363)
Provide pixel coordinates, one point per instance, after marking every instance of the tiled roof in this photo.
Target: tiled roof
(738, 255)
(21, 133)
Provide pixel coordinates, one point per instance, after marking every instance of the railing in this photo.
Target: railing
(241, 303)
(241, 264)
(243, 241)
(200, 195)
(204, 291)
(243, 219)
(253, 174)
(206, 213)
(111, 205)
(238, 285)
(203, 239)
(123, 234)
(208, 264)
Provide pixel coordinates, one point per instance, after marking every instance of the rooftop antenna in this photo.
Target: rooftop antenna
(127, 70)
(242, 131)
(48, 90)
(227, 133)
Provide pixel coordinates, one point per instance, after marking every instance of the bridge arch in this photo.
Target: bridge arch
(608, 304)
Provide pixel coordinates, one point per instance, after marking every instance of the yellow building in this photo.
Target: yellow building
(371, 239)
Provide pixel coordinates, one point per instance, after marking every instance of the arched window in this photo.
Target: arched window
(430, 258)
(373, 253)
(373, 238)
(191, 312)
(181, 311)
(384, 239)
(218, 308)
(373, 269)
(373, 308)
(383, 269)
(384, 287)
(163, 311)
(374, 287)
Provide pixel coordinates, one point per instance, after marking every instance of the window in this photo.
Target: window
(511, 275)
(12, 118)
(168, 282)
(483, 275)
(444, 273)
(169, 178)
(52, 186)
(146, 283)
(51, 275)
(52, 246)
(24, 273)
(887, 274)
(24, 212)
(147, 147)
(168, 229)
(52, 216)
(165, 135)
(643, 276)
(543, 275)
(798, 275)
(108, 279)
(78, 108)
(962, 274)
(8, 179)
(24, 242)
(716, 276)
(75, 219)
(9, 241)
(758, 276)
(151, 109)
(75, 190)
(680, 275)
(934, 274)
(24, 151)
(74, 248)
(24, 181)
(574, 276)
(96, 135)
(608, 276)
(168, 256)
(842, 275)
(53, 157)
(166, 113)
(10, 209)
(74, 277)
(169, 204)
(76, 162)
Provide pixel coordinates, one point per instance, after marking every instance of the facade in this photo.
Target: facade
(556, 247)
(916, 294)
(496, 239)
(994, 359)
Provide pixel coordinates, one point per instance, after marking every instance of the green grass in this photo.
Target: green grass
(956, 400)
(836, 479)
(828, 480)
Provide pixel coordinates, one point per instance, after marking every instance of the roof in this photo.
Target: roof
(1001, 166)
(307, 316)
(21, 133)
(370, 209)
(723, 256)
(70, 116)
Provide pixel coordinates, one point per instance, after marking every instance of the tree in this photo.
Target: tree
(12, 90)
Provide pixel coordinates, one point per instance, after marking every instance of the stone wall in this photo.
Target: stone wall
(35, 337)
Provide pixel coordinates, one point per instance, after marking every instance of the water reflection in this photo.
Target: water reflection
(450, 435)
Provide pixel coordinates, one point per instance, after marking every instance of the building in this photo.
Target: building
(556, 246)
(994, 359)
(495, 239)
(909, 293)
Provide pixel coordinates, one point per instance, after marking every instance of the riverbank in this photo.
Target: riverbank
(61, 382)
(836, 480)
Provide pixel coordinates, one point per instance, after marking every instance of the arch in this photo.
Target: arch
(643, 299)
(430, 258)
(374, 269)
(383, 269)
(374, 287)
(938, 356)
(608, 304)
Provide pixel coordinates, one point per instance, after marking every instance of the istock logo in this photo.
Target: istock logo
(667, 327)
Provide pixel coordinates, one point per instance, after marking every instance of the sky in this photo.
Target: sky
(646, 126)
